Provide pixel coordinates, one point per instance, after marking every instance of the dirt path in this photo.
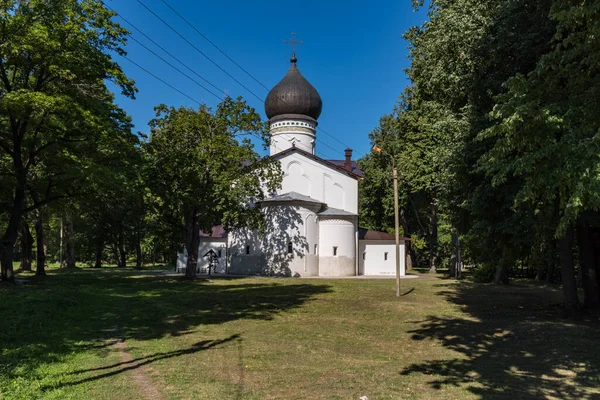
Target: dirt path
(137, 368)
(139, 373)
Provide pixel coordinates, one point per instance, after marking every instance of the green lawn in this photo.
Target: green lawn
(269, 338)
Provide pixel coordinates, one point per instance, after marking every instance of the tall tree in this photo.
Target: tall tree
(547, 135)
(54, 103)
(204, 169)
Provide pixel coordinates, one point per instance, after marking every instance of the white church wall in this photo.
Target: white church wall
(337, 246)
(373, 260)
(325, 184)
(291, 132)
(219, 245)
(311, 232)
(245, 255)
(270, 253)
(295, 179)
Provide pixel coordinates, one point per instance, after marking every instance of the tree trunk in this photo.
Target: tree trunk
(567, 271)
(139, 260)
(540, 259)
(70, 243)
(192, 243)
(26, 247)
(501, 277)
(550, 273)
(115, 249)
(10, 236)
(433, 242)
(40, 240)
(407, 244)
(122, 253)
(588, 265)
(98, 256)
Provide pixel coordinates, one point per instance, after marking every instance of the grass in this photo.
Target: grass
(269, 338)
(82, 265)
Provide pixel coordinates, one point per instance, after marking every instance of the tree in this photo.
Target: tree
(547, 135)
(205, 172)
(54, 104)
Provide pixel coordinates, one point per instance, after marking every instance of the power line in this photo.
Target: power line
(198, 50)
(177, 90)
(212, 61)
(178, 70)
(182, 63)
(167, 52)
(236, 64)
(214, 45)
(156, 77)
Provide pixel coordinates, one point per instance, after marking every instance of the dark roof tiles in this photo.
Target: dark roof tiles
(355, 169)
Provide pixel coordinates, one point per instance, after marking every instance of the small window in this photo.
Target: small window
(365, 255)
(290, 248)
(316, 248)
(247, 249)
(385, 256)
(335, 250)
(220, 253)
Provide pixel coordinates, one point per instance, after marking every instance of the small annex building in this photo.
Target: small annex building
(312, 226)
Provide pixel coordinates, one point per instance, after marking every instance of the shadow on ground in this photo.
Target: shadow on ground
(49, 319)
(513, 344)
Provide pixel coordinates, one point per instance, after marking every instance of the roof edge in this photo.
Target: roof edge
(318, 159)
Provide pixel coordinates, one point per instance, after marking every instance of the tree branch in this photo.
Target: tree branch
(4, 146)
(4, 77)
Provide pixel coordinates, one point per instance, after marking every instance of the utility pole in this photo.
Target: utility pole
(396, 217)
(397, 228)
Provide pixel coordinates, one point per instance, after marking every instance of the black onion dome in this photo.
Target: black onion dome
(293, 95)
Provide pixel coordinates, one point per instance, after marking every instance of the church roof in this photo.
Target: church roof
(293, 95)
(336, 212)
(338, 165)
(292, 196)
(369, 234)
(216, 232)
(355, 169)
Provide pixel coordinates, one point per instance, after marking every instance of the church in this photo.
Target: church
(312, 222)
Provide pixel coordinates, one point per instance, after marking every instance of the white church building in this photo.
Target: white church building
(312, 222)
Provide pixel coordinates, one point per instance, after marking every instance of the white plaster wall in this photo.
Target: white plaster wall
(215, 244)
(284, 141)
(292, 132)
(205, 245)
(286, 223)
(241, 263)
(340, 233)
(311, 232)
(311, 178)
(375, 263)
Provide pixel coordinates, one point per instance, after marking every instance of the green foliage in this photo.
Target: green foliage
(203, 171)
(478, 72)
(57, 117)
(547, 130)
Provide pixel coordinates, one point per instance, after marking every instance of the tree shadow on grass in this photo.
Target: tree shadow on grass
(512, 344)
(129, 365)
(53, 318)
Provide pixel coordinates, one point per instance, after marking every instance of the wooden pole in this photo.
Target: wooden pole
(397, 231)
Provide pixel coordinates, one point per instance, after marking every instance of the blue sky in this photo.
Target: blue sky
(353, 54)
